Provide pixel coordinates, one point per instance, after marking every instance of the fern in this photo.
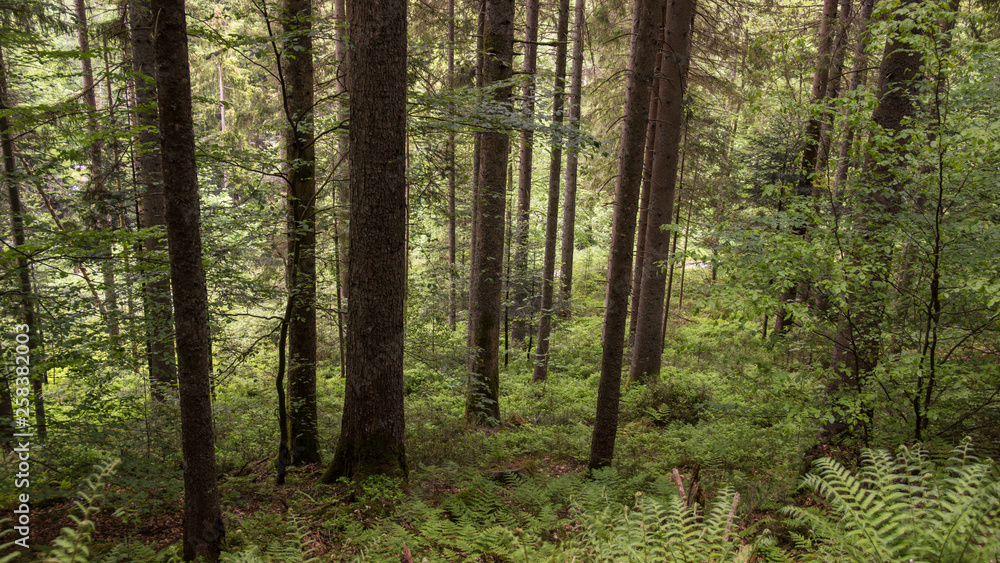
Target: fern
(904, 508)
(653, 531)
(72, 545)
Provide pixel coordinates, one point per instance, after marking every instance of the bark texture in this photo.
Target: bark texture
(149, 175)
(646, 18)
(203, 526)
(297, 62)
(372, 427)
(522, 285)
(25, 297)
(541, 369)
(647, 175)
(482, 401)
(670, 121)
(572, 160)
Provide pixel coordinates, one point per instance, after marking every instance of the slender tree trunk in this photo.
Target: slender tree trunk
(673, 246)
(647, 176)
(676, 54)
(522, 282)
(203, 526)
(97, 196)
(482, 404)
(373, 425)
(845, 16)
(646, 18)
(477, 138)
(26, 296)
(858, 340)
(858, 74)
(149, 175)
(343, 144)
(297, 63)
(572, 152)
(452, 239)
(552, 214)
(804, 186)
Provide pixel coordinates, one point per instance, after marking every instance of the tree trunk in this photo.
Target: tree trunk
(96, 195)
(845, 16)
(452, 238)
(203, 526)
(804, 186)
(552, 214)
(149, 175)
(343, 144)
(569, 196)
(482, 404)
(373, 426)
(521, 281)
(296, 23)
(676, 54)
(25, 297)
(646, 18)
(647, 176)
(858, 340)
(858, 73)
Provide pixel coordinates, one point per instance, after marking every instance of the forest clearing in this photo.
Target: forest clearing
(491, 281)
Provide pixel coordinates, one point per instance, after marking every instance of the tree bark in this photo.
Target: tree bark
(646, 18)
(541, 369)
(572, 159)
(296, 23)
(857, 343)
(521, 282)
(25, 295)
(858, 74)
(807, 169)
(149, 175)
(452, 238)
(676, 55)
(343, 144)
(100, 209)
(482, 403)
(203, 526)
(647, 176)
(373, 425)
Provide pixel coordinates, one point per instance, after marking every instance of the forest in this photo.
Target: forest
(493, 281)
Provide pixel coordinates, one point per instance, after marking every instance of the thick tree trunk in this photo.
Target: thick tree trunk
(149, 175)
(807, 169)
(25, 295)
(676, 54)
(482, 404)
(572, 151)
(296, 23)
(203, 526)
(646, 18)
(552, 213)
(521, 281)
(857, 343)
(373, 426)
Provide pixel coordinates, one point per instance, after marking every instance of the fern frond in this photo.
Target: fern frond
(902, 507)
